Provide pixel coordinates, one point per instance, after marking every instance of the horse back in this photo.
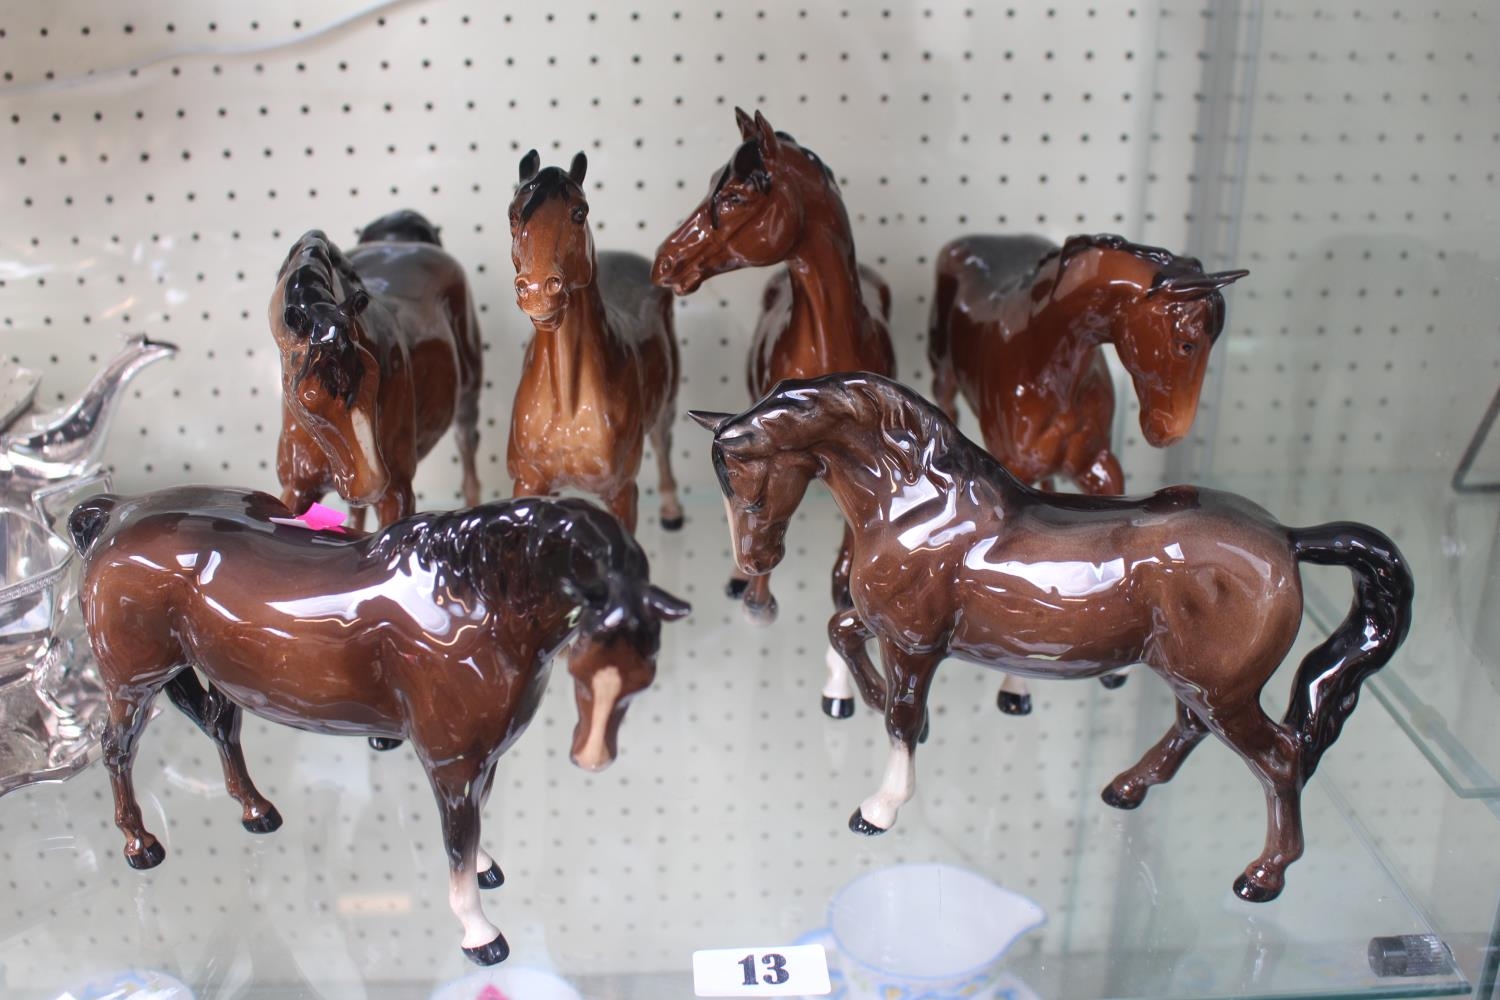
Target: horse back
(639, 314)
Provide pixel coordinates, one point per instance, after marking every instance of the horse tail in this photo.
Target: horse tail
(402, 226)
(1327, 685)
(89, 519)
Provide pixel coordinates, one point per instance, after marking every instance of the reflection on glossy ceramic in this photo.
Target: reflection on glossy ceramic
(953, 556)
(776, 201)
(514, 982)
(437, 629)
(925, 932)
(601, 368)
(380, 352)
(1018, 326)
(39, 451)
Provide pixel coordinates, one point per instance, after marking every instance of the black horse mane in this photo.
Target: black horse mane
(332, 356)
(1169, 266)
(918, 436)
(479, 545)
(549, 182)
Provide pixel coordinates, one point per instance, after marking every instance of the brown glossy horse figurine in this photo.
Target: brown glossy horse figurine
(953, 556)
(438, 629)
(776, 201)
(1018, 326)
(601, 370)
(380, 353)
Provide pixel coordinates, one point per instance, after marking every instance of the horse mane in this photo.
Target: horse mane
(549, 182)
(1168, 265)
(477, 545)
(332, 355)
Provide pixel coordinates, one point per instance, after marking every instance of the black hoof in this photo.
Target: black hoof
(270, 822)
(383, 743)
(838, 708)
(672, 523)
(859, 824)
(1114, 798)
(926, 728)
(1252, 893)
(1113, 682)
(735, 588)
(1014, 704)
(149, 858)
(489, 954)
(492, 877)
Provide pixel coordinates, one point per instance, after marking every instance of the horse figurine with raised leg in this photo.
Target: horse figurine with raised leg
(953, 556)
(1018, 326)
(380, 354)
(437, 629)
(776, 201)
(601, 370)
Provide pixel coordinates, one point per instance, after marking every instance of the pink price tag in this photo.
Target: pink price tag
(321, 518)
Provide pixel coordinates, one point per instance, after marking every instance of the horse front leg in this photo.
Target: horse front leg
(127, 718)
(220, 719)
(849, 664)
(624, 502)
(759, 603)
(458, 787)
(908, 677)
(399, 501)
(1159, 764)
(490, 876)
(1014, 697)
(466, 430)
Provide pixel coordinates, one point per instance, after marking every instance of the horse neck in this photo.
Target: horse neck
(1064, 330)
(826, 298)
(577, 355)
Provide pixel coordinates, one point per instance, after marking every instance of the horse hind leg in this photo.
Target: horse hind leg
(127, 718)
(849, 665)
(1159, 764)
(661, 444)
(220, 718)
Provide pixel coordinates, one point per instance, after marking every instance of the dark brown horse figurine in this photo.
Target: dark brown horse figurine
(601, 370)
(380, 352)
(953, 556)
(775, 201)
(1018, 326)
(437, 629)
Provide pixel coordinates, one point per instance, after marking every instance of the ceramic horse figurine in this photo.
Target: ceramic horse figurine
(954, 556)
(437, 629)
(1018, 326)
(775, 201)
(601, 370)
(380, 353)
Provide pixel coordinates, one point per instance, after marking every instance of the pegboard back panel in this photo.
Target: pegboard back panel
(164, 158)
(1365, 339)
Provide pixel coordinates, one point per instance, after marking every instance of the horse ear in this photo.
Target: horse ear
(770, 143)
(745, 122)
(709, 420)
(1195, 286)
(530, 164)
(579, 167)
(357, 302)
(666, 606)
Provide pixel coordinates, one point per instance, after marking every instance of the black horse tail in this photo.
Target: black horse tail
(1327, 685)
(402, 226)
(89, 519)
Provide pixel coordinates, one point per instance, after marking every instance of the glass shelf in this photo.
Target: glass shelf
(722, 824)
(1443, 688)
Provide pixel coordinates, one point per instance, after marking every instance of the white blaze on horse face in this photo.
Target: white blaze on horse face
(896, 789)
(840, 683)
(734, 542)
(463, 897)
(364, 440)
(595, 753)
